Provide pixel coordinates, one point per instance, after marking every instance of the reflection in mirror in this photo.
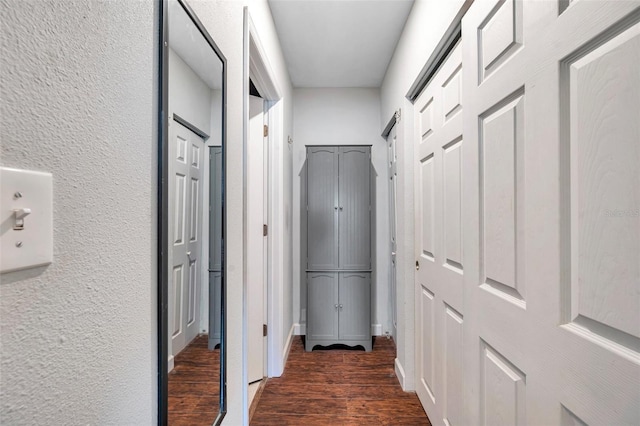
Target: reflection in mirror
(195, 338)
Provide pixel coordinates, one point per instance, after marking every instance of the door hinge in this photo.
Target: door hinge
(264, 330)
(266, 130)
(265, 230)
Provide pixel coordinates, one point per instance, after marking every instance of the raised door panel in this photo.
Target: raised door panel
(354, 208)
(322, 306)
(322, 205)
(354, 306)
(604, 110)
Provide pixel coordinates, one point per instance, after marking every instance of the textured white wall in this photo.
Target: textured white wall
(344, 116)
(425, 27)
(78, 337)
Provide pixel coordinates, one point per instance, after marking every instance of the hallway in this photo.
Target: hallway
(338, 387)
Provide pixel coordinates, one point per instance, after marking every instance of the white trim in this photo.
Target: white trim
(170, 363)
(400, 374)
(257, 67)
(299, 329)
(287, 348)
(376, 329)
(275, 251)
(245, 141)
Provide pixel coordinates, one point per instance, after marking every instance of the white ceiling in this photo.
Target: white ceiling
(339, 43)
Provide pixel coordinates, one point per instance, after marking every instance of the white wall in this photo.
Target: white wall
(189, 96)
(342, 116)
(425, 27)
(78, 100)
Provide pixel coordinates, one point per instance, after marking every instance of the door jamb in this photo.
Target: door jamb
(257, 67)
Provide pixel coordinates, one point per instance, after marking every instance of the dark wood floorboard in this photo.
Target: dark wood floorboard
(194, 385)
(338, 387)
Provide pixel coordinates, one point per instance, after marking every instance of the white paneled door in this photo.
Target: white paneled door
(256, 240)
(439, 263)
(186, 171)
(545, 327)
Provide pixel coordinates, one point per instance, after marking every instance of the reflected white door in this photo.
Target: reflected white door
(186, 171)
(393, 179)
(256, 241)
(552, 224)
(439, 232)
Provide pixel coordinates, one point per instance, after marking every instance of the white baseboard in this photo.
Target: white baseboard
(299, 329)
(170, 363)
(287, 346)
(400, 374)
(376, 329)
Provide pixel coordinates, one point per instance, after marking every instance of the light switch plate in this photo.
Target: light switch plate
(32, 245)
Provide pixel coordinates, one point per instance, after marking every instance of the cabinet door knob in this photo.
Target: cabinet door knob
(417, 265)
(341, 306)
(336, 306)
(341, 208)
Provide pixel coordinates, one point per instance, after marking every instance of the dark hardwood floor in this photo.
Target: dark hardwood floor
(194, 385)
(338, 387)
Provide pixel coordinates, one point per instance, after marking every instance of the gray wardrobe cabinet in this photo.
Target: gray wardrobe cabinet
(338, 208)
(338, 245)
(339, 309)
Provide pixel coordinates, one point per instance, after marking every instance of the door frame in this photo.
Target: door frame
(257, 68)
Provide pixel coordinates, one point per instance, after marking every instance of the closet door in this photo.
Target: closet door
(551, 254)
(322, 208)
(354, 208)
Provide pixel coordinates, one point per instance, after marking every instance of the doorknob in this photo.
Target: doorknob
(417, 265)
(189, 255)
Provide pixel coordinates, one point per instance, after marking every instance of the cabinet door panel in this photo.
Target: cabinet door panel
(322, 318)
(322, 202)
(354, 208)
(355, 306)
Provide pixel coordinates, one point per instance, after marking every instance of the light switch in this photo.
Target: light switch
(26, 219)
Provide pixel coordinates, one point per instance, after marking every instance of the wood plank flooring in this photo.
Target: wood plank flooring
(338, 387)
(194, 385)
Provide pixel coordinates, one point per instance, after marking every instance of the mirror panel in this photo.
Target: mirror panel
(193, 163)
